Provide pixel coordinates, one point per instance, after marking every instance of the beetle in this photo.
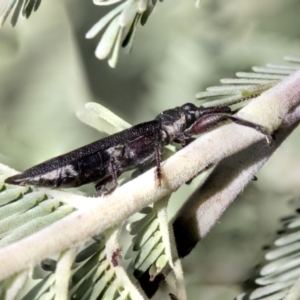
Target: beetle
(136, 147)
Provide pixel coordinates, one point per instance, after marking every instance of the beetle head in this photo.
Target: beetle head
(191, 112)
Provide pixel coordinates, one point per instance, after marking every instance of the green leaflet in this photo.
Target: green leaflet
(91, 276)
(247, 85)
(280, 270)
(121, 25)
(149, 250)
(24, 7)
(24, 210)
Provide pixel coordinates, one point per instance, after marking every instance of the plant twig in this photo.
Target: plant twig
(272, 109)
(206, 205)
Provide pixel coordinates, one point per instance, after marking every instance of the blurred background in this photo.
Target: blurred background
(48, 71)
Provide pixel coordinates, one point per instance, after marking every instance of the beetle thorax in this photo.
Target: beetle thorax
(173, 124)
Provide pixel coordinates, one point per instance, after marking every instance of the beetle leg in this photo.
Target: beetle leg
(158, 170)
(113, 173)
(269, 138)
(184, 141)
(100, 186)
(210, 121)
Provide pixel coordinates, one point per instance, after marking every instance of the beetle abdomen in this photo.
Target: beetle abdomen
(82, 171)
